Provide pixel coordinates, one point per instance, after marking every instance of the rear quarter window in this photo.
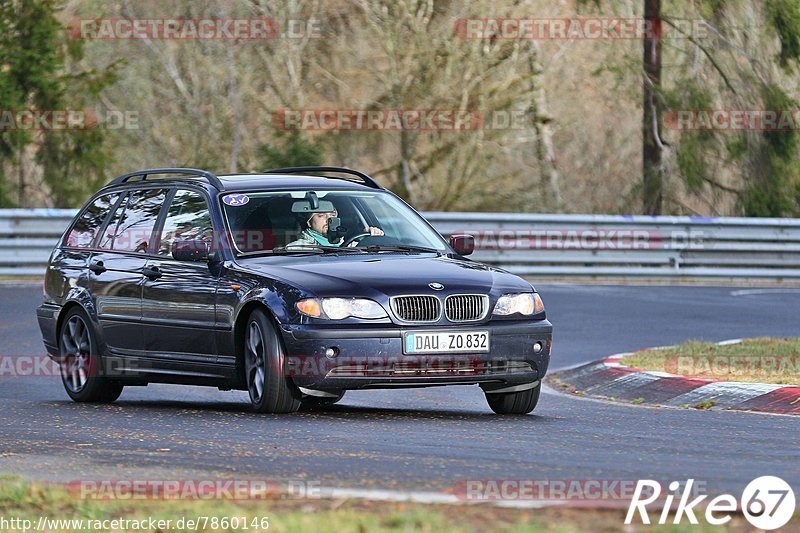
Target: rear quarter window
(87, 226)
(131, 227)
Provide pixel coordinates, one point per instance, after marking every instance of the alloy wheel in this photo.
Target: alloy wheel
(256, 361)
(77, 347)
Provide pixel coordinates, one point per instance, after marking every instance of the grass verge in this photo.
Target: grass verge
(762, 360)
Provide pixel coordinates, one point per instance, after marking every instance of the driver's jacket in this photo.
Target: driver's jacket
(309, 237)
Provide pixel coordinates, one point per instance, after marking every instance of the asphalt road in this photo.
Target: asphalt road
(428, 439)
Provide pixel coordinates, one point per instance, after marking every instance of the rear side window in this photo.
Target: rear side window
(132, 226)
(85, 230)
(188, 219)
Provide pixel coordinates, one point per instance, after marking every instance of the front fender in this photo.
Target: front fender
(240, 292)
(269, 297)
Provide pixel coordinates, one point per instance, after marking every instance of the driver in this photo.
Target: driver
(316, 231)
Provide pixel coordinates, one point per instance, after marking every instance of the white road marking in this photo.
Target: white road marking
(723, 393)
(748, 292)
(428, 497)
(627, 383)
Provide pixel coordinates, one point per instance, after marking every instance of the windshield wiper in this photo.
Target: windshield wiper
(400, 248)
(312, 248)
(294, 249)
(322, 249)
(277, 251)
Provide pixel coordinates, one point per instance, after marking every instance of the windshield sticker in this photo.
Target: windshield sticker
(235, 200)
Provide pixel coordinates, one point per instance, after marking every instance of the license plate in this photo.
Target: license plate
(445, 342)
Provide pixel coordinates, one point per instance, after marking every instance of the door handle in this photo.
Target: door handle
(97, 267)
(152, 273)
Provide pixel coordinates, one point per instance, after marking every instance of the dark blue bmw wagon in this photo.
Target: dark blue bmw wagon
(295, 285)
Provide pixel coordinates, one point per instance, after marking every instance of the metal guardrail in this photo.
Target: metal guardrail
(632, 246)
(27, 237)
(537, 245)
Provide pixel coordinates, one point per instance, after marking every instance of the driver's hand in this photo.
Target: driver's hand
(374, 231)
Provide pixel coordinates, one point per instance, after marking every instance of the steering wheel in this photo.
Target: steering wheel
(352, 239)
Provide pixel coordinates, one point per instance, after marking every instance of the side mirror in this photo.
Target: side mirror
(463, 244)
(190, 251)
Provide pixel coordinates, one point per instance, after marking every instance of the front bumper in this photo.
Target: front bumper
(372, 357)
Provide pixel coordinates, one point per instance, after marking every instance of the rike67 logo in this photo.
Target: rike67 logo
(768, 502)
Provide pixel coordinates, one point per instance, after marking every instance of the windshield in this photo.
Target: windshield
(326, 220)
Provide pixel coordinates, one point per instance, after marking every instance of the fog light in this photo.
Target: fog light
(537, 347)
(331, 352)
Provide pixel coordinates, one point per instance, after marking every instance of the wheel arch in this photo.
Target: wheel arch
(69, 306)
(79, 297)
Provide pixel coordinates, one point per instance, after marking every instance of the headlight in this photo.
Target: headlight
(340, 308)
(528, 303)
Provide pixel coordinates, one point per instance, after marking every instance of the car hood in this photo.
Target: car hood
(387, 274)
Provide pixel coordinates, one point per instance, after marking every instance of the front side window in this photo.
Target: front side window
(85, 230)
(133, 223)
(188, 218)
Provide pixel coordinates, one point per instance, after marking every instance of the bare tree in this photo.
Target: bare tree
(652, 146)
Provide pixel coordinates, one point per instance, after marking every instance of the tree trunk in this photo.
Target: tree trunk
(544, 135)
(21, 177)
(652, 148)
(405, 168)
(236, 121)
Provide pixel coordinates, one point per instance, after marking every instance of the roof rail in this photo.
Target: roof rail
(368, 181)
(188, 172)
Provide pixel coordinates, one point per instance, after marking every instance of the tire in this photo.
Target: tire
(515, 403)
(315, 403)
(82, 362)
(269, 389)
(111, 391)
